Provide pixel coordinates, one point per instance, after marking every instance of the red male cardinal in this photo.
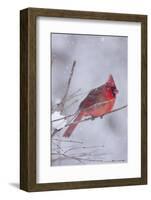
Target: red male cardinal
(98, 102)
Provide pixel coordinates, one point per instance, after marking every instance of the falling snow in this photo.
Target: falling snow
(96, 57)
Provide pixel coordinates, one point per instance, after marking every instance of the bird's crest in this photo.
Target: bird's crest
(111, 81)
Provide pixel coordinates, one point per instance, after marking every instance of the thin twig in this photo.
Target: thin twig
(68, 99)
(78, 158)
(83, 147)
(72, 141)
(73, 95)
(86, 109)
(79, 94)
(92, 118)
(55, 120)
(71, 104)
(68, 87)
(69, 157)
(58, 147)
(55, 131)
(89, 154)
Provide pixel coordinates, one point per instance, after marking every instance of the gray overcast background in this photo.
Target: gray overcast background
(96, 57)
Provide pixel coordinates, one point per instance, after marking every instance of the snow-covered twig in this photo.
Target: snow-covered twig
(62, 118)
(57, 123)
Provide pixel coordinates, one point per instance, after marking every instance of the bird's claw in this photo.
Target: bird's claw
(92, 118)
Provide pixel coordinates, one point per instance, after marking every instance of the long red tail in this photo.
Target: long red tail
(71, 128)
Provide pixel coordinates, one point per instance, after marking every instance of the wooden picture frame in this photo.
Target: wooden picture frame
(28, 98)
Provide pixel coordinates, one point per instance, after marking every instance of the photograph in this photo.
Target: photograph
(83, 99)
(89, 99)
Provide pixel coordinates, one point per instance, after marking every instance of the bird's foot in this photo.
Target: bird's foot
(93, 118)
(101, 116)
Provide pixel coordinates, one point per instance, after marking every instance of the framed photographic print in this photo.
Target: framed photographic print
(83, 92)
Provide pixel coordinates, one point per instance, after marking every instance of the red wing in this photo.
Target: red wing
(95, 96)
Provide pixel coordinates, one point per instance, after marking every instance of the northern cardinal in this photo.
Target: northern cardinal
(98, 102)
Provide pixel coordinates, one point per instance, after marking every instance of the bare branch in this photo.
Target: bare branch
(73, 95)
(80, 159)
(72, 141)
(68, 99)
(72, 103)
(68, 87)
(66, 156)
(84, 156)
(90, 118)
(86, 109)
(58, 147)
(83, 147)
(77, 158)
(89, 155)
(117, 109)
(78, 94)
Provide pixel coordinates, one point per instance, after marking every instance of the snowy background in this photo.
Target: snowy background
(100, 140)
